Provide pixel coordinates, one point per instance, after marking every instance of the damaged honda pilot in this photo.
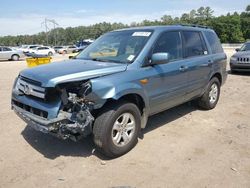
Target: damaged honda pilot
(113, 86)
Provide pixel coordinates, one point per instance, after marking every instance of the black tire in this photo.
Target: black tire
(50, 54)
(104, 124)
(15, 57)
(65, 52)
(204, 101)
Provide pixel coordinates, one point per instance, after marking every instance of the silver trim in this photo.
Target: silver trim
(30, 89)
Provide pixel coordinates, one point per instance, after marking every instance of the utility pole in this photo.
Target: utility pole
(46, 25)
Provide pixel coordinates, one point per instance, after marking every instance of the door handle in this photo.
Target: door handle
(183, 68)
(208, 64)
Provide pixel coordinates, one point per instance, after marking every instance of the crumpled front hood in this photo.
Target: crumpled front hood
(71, 70)
(242, 54)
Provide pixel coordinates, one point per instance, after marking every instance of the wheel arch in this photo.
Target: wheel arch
(136, 99)
(217, 75)
(15, 54)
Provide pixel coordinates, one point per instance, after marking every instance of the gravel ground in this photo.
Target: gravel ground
(181, 147)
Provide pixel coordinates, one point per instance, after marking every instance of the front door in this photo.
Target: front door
(167, 82)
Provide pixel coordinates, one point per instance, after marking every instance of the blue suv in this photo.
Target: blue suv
(113, 86)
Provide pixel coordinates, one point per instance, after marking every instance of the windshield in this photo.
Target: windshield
(119, 46)
(245, 47)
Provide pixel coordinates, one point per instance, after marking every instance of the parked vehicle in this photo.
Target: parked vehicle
(67, 49)
(56, 48)
(85, 42)
(28, 48)
(111, 96)
(240, 61)
(7, 53)
(81, 48)
(43, 50)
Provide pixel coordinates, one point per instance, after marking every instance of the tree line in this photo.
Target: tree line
(231, 28)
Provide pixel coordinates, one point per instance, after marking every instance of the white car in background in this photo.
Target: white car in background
(43, 50)
(67, 49)
(7, 53)
(29, 48)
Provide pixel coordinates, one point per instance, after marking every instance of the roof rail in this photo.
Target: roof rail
(195, 25)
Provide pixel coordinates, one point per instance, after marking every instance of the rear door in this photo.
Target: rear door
(42, 50)
(6, 53)
(198, 62)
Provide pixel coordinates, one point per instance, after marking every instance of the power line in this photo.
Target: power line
(46, 23)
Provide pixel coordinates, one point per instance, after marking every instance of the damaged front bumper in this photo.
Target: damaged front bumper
(62, 126)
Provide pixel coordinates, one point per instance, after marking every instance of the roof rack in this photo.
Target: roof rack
(195, 25)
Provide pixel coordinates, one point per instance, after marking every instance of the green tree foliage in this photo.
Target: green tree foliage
(230, 28)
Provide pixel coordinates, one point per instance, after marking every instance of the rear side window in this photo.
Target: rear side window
(213, 42)
(170, 42)
(194, 44)
(6, 49)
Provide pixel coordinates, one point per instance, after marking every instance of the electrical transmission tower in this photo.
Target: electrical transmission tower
(46, 24)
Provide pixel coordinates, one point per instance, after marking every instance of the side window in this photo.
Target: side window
(214, 42)
(0, 49)
(194, 44)
(170, 42)
(6, 49)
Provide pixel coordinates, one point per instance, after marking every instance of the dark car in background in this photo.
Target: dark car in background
(82, 47)
(240, 61)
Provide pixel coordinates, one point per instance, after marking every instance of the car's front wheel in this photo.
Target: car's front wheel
(211, 96)
(116, 129)
(50, 54)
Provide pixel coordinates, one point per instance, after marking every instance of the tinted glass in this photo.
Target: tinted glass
(31, 47)
(245, 47)
(194, 44)
(6, 49)
(214, 42)
(170, 43)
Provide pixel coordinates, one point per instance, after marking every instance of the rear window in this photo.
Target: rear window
(214, 42)
(194, 44)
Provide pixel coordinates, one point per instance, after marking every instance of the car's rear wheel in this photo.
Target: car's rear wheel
(15, 57)
(116, 129)
(211, 96)
(50, 54)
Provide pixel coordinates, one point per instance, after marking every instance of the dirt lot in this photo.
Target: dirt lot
(181, 147)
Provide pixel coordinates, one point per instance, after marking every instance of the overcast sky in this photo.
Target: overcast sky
(25, 17)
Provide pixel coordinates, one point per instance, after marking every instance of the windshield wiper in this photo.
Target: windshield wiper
(105, 60)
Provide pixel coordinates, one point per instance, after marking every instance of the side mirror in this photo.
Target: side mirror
(237, 49)
(159, 58)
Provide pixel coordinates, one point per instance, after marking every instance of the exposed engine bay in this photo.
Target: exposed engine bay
(77, 111)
